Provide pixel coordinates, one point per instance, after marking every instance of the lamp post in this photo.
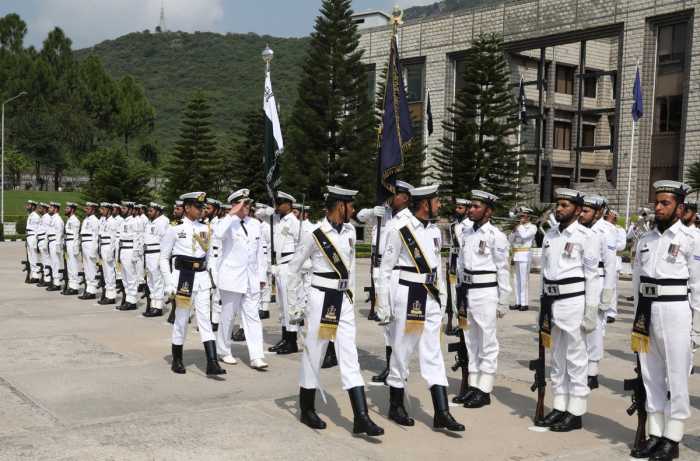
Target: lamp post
(2, 158)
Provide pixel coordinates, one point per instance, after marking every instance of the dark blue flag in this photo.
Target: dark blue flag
(638, 105)
(396, 132)
(522, 101)
(429, 114)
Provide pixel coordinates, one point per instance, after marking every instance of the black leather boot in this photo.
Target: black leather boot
(105, 301)
(330, 360)
(213, 367)
(397, 412)
(551, 418)
(238, 335)
(524, 308)
(361, 422)
(567, 424)
(290, 346)
(280, 342)
(514, 307)
(307, 405)
(478, 399)
(465, 396)
(87, 295)
(177, 365)
(647, 447)
(127, 307)
(381, 377)
(53, 288)
(593, 382)
(70, 292)
(443, 418)
(666, 450)
(153, 312)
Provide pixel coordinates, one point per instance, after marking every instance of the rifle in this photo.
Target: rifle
(370, 289)
(27, 267)
(65, 269)
(101, 280)
(639, 398)
(171, 316)
(83, 282)
(147, 290)
(461, 360)
(540, 383)
(449, 329)
(121, 289)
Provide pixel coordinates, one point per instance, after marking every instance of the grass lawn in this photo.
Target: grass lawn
(15, 200)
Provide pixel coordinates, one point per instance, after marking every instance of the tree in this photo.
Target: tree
(244, 157)
(195, 164)
(115, 177)
(331, 135)
(476, 151)
(135, 114)
(16, 164)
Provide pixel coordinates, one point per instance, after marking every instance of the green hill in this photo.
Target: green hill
(444, 7)
(228, 68)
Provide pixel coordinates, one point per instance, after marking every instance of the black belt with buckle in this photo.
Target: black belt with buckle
(189, 263)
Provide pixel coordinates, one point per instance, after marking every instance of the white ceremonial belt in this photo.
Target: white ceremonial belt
(477, 279)
(331, 284)
(553, 289)
(417, 278)
(285, 259)
(521, 249)
(652, 290)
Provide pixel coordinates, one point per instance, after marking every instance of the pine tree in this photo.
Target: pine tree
(331, 137)
(476, 151)
(244, 158)
(196, 163)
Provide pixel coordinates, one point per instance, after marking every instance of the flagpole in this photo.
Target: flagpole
(629, 176)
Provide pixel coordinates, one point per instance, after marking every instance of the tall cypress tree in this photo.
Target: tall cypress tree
(196, 163)
(244, 157)
(476, 151)
(331, 136)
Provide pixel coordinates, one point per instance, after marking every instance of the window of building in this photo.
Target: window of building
(671, 47)
(588, 135)
(413, 78)
(459, 75)
(590, 86)
(611, 126)
(668, 114)
(613, 82)
(371, 81)
(562, 135)
(565, 80)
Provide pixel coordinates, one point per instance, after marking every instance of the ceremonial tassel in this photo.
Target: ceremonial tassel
(414, 327)
(184, 302)
(640, 342)
(463, 322)
(327, 331)
(546, 340)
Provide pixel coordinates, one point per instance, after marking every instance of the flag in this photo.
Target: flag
(638, 105)
(521, 101)
(274, 145)
(429, 114)
(396, 134)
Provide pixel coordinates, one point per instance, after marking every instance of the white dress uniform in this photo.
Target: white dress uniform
(153, 236)
(44, 246)
(142, 221)
(117, 223)
(33, 255)
(456, 229)
(241, 269)
(89, 232)
(483, 263)
(179, 241)
(216, 245)
(286, 233)
(521, 240)
(621, 244)
(72, 232)
(306, 228)
(55, 240)
(607, 269)
(667, 270)
(570, 267)
(130, 250)
(106, 239)
(266, 293)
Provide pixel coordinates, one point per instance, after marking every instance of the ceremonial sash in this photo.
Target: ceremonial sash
(333, 299)
(415, 310)
(188, 267)
(454, 254)
(547, 302)
(653, 290)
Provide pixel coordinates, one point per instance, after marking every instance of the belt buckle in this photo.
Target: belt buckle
(468, 279)
(551, 289)
(430, 278)
(342, 284)
(195, 265)
(649, 290)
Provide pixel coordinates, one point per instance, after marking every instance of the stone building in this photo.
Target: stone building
(585, 117)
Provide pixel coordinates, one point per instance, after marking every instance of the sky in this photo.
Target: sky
(88, 22)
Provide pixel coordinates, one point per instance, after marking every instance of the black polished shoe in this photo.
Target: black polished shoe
(105, 301)
(443, 419)
(514, 307)
(397, 412)
(610, 320)
(647, 447)
(551, 418)
(373, 316)
(127, 307)
(70, 292)
(42, 283)
(307, 406)
(464, 396)
(479, 399)
(280, 342)
(381, 377)
(53, 288)
(177, 366)
(214, 327)
(142, 288)
(263, 314)
(238, 335)
(330, 360)
(34, 280)
(593, 382)
(87, 295)
(567, 424)
(213, 367)
(153, 312)
(362, 424)
(290, 346)
(665, 450)
(524, 308)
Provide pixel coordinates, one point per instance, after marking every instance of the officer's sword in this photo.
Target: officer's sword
(307, 354)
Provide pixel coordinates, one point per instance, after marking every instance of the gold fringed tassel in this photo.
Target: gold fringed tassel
(463, 323)
(546, 340)
(640, 342)
(327, 331)
(453, 279)
(184, 302)
(414, 327)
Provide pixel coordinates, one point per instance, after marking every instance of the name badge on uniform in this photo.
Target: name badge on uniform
(482, 247)
(181, 235)
(673, 249)
(569, 248)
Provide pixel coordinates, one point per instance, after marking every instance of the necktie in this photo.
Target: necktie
(244, 229)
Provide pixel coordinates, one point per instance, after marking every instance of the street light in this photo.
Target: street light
(2, 159)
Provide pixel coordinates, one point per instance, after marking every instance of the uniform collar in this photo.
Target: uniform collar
(326, 226)
(484, 227)
(674, 229)
(570, 229)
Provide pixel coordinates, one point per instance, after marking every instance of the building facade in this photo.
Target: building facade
(579, 60)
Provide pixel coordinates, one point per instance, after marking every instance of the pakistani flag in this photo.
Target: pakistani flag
(273, 140)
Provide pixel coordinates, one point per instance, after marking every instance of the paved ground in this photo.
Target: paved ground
(78, 381)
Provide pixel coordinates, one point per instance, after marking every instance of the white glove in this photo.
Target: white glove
(275, 270)
(606, 299)
(379, 211)
(296, 315)
(501, 311)
(590, 318)
(383, 313)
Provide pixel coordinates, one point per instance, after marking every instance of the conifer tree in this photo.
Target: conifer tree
(245, 156)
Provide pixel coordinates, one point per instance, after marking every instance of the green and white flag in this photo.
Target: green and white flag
(274, 145)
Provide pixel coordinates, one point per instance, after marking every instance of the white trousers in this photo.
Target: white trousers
(315, 348)
(246, 304)
(109, 271)
(73, 269)
(522, 275)
(130, 275)
(33, 257)
(569, 356)
(612, 312)
(665, 367)
(432, 365)
(281, 279)
(56, 257)
(482, 343)
(200, 304)
(90, 269)
(266, 295)
(394, 280)
(45, 260)
(595, 343)
(156, 285)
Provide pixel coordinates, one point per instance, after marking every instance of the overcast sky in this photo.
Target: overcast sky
(88, 22)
